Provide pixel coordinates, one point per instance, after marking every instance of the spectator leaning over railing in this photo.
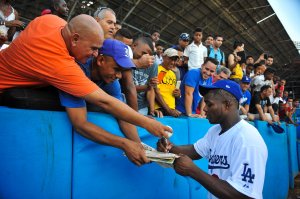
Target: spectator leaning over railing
(290, 109)
(246, 99)
(261, 102)
(28, 62)
(105, 70)
(190, 96)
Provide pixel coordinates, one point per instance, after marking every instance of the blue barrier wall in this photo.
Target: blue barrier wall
(36, 154)
(292, 152)
(41, 157)
(277, 169)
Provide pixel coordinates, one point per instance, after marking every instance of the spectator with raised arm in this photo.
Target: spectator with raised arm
(145, 79)
(234, 62)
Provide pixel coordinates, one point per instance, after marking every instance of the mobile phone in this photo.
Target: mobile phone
(178, 84)
(266, 55)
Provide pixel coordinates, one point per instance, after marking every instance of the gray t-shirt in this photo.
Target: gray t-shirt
(142, 77)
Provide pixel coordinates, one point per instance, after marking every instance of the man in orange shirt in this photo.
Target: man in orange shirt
(45, 53)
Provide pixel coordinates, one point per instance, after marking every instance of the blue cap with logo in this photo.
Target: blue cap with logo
(118, 51)
(246, 79)
(184, 36)
(230, 86)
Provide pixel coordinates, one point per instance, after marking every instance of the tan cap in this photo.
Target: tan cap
(171, 52)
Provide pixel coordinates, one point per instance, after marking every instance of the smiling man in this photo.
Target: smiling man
(235, 150)
(105, 70)
(190, 96)
(165, 92)
(48, 58)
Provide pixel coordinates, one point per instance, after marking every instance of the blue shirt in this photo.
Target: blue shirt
(219, 55)
(246, 98)
(70, 101)
(192, 78)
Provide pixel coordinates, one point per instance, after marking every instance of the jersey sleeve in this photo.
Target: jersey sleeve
(248, 171)
(202, 145)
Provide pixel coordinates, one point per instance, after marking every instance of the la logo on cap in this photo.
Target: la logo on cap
(227, 86)
(126, 52)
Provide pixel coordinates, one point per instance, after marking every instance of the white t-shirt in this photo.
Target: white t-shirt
(12, 16)
(196, 55)
(237, 156)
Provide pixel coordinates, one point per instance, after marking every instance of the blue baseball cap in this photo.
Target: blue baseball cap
(184, 36)
(118, 51)
(246, 79)
(230, 86)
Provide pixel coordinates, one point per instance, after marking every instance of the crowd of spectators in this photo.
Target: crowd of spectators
(166, 82)
(96, 64)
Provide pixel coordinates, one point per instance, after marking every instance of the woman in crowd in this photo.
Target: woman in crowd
(234, 62)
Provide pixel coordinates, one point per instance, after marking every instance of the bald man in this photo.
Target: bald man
(45, 54)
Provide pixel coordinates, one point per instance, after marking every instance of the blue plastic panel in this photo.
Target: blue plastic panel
(39, 160)
(197, 129)
(36, 148)
(103, 172)
(277, 169)
(292, 149)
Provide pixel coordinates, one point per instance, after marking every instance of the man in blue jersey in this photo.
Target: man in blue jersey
(190, 96)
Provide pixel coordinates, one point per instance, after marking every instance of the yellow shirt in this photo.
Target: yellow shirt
(166, 86)
(237, 72)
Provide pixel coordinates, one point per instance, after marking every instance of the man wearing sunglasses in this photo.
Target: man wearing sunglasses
(166, 91)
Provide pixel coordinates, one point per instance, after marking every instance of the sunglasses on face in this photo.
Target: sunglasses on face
(173, 58)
